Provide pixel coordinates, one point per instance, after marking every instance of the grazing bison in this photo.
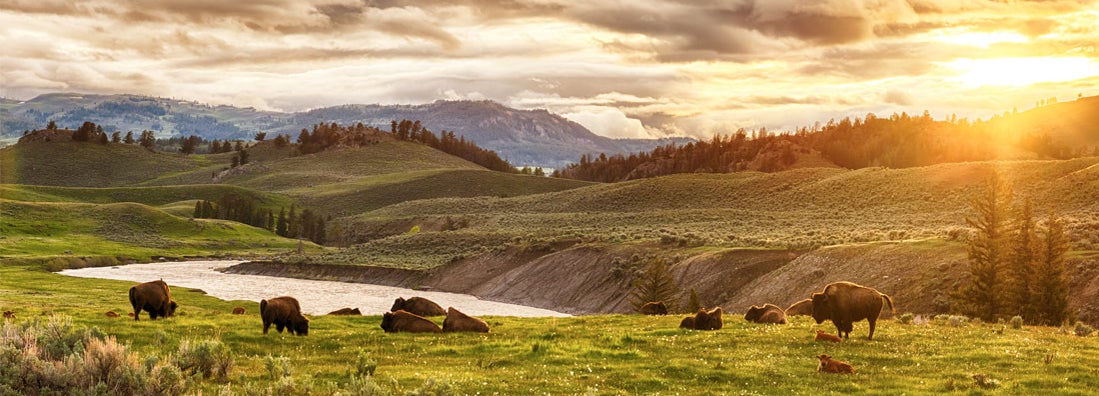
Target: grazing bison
(829, 365)
(846, 303)
(112, 314)
(457, 321)
(417, 306)
(403, 321)
(154, 297)
(346, 311)
(654, 308)
(803, 307)
(238, 311)
(687, 323)
(284, 312)
(822, 336)
(9, 315)
(768, 313)
(704, 320)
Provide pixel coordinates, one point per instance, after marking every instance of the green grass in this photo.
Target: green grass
(611, 354)
(78, 164)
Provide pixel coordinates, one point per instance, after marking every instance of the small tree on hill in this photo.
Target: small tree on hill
(129, 139)
(655, 284)
(260, 136)
(116, 137)
(147, 140)
(988, 252)
(51, 125)
(693, 303)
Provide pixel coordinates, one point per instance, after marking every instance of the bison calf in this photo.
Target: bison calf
(457, 321)
(829, 365)
(654, 308)
(403, 321)
(822, 336)
(284, 312)
(112, 314)
(768, 313)
(417, 306)
(9, 315)
(154, 297)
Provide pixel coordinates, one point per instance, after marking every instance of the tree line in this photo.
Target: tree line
(899, 141)
(305, 224)
(448, 143)
(1016, 264)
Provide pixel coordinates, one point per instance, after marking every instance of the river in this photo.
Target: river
(316, 297)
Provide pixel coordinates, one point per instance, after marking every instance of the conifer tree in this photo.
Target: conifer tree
(280, 224)
(1024, 246)
(1051, 286)
(693, 303)
(987, 251)
(655, 284)
(198, 210)
(129, 139)
(292, 223)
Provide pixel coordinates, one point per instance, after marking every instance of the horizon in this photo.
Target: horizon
(649, 69)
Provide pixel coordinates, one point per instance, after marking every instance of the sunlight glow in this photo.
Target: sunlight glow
(983, 39)
(1020, 72)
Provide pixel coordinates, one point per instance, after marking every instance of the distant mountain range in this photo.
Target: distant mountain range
(523, 137)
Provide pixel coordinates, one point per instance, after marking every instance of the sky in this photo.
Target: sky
(631, 68)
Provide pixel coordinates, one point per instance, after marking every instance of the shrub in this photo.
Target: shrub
(211, 358)
(957, 320)
(907, 318)
(1083, 330)
(1016, 322)
(985, 382)
(364, 365)
(363, 385)
(277, 367)
(432, 387)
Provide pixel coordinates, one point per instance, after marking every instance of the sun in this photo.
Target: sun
(1022, 71)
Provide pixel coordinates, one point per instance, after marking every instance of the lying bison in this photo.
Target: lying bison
(704, 320)
(803, 307)
(417, 306)
(403, 321)
(654, 308)
(346, 311)
(9, 315)
(457, 321)
(284, 312)
(846, 303)
(154, 297)
(238, 310)
(768, 313)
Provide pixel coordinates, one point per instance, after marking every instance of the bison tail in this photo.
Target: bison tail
(890, 301)
(262, 307)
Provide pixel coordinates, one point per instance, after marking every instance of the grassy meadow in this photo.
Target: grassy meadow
(606, 354)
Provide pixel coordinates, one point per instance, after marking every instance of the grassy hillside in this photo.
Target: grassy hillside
(122, 230)
(612, 354)
(152, 196)
(75, 164)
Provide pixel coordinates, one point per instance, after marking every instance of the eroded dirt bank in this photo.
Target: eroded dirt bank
(584, 280)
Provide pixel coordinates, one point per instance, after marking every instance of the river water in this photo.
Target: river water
(316, 297)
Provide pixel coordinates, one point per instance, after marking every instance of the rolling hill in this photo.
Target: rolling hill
(523, 137)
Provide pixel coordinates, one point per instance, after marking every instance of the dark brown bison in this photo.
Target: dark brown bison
(284, 312)
(768, 313)
(403, 321)
(829, 365)
(457, 321)
(654, 308)
(417, 306)
(803, 307)
(9, 315)
(238, 311)
(846, 303)
(704, 320)
(822, 336)
(687, 323)
(346, 311)
(154, 297)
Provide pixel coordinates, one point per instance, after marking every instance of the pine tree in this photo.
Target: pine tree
(1024, 246)
(129, 139)
(280, 224)
(693, 303)
(198, 210)
(292, 223)
(1051, 287)
(988, 252)
(655, 284)
(318, 232)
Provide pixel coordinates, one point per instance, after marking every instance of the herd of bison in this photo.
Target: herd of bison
(841, 302)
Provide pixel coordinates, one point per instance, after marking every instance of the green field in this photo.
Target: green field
(607, 354)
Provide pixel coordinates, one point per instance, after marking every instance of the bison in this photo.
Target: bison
(846, 303)
(704, 320)
(829, 365)
(654, 308)
(418, 306)
(9, 315)
(346, 311)
(768, 313)
(403, 321)
(284, 312)
(112, 314)
(803, 307)
(154, 297)
(457, 321)
(822, 336)
(238, 310)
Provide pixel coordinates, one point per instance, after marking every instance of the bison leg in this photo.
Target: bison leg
(873, 324)
(266, 325)
(279, 326)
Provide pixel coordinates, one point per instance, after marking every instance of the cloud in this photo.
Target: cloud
(608, 121)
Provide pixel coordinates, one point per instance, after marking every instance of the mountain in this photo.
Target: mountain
(523, 137)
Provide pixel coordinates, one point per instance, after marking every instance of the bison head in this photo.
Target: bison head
(398, 304)
(302, 328)
(387, 321)
(821, 310)
(172, 308)
(754, 313)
